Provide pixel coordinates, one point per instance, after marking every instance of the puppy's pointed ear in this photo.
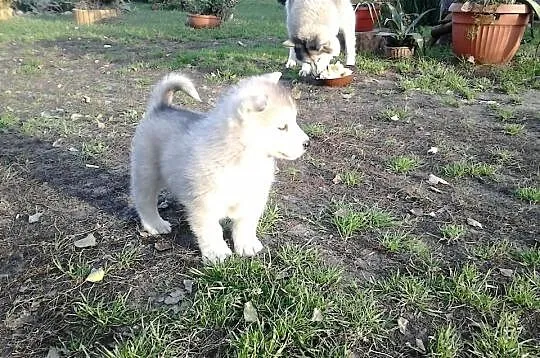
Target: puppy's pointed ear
(288, 43)
(256, 103)
(272, 77)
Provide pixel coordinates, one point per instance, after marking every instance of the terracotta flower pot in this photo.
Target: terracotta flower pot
(491, 34)
(366, 18)
(399, 52)
(86, 17)
(203, 21)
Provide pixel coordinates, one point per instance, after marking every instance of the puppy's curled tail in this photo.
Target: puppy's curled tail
(163, 92)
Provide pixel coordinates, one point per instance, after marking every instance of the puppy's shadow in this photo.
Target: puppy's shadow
(106, 189)
(181, 233)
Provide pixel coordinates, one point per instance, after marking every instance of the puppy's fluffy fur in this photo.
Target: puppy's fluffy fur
(218, 164)
(313, 27)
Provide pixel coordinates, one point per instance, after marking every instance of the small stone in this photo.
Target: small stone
(171, 300)
(188, 285)
(402, 324)
(34, 218)
(417, 212)
(506, 272)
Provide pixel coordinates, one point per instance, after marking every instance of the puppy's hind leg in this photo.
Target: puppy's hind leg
(145, 187)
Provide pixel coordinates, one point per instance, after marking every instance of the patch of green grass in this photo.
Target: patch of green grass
(529, 257)
(49, 127)
(315, 130)
(351, 178)
(501, 341)
(524, 291)
(93, 149)
(227, 62)
(529, 194)
(403, 164)
(407, 290)
(75, 267)
(462, 169)
(394, 114)
(471, 287)
(450, 101)
(30, 66)
(349, 220)
(453, 232)
(128, 256)
(514, 129)
(8, 120)
(105, 313)
(268, 222)
(398, 242)
(435, 77)
(301, 305)
(253, 19)
(492, 251)
(371, 64)
(502, 156)
(504, 113)
(447, 343)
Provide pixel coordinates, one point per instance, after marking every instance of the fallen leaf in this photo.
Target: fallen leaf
(347, 95)
(317, 315)
(96, 275)
(506, 272)
(474, 223)
(86, 99)
(402, 324)
(337, 179)
(433, 179)
(395, 117)
(250, 313)
(188, 285)
(34, 218)
(417, 212)
(53, 353)
(420, 345)
(163, 245)
(88, 241)
(170, 300)
(433, 150)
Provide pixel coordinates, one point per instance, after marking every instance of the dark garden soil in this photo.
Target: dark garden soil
(67, 158)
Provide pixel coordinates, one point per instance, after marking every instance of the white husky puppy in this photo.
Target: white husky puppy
(313, 27)
(218, 164)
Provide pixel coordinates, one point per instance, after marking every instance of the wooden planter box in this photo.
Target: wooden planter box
(85, 17)
(6, 14)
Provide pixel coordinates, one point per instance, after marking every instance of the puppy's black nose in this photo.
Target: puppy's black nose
(306, 144)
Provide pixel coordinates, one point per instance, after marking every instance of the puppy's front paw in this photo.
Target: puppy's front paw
(216, 253)
(248, 247)
(157, 228)
(290, 63)
(305, 70)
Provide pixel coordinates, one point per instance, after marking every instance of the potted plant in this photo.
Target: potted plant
(6, 11)
(490, 30)
(367, 13)
(401, 40)
(90, 11)
(207, 13)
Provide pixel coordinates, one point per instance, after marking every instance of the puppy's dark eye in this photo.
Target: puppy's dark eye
(284, 127)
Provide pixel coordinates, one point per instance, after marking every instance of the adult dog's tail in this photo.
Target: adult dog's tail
(164, 90)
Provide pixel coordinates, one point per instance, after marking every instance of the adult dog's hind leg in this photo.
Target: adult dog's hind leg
(349, 37)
